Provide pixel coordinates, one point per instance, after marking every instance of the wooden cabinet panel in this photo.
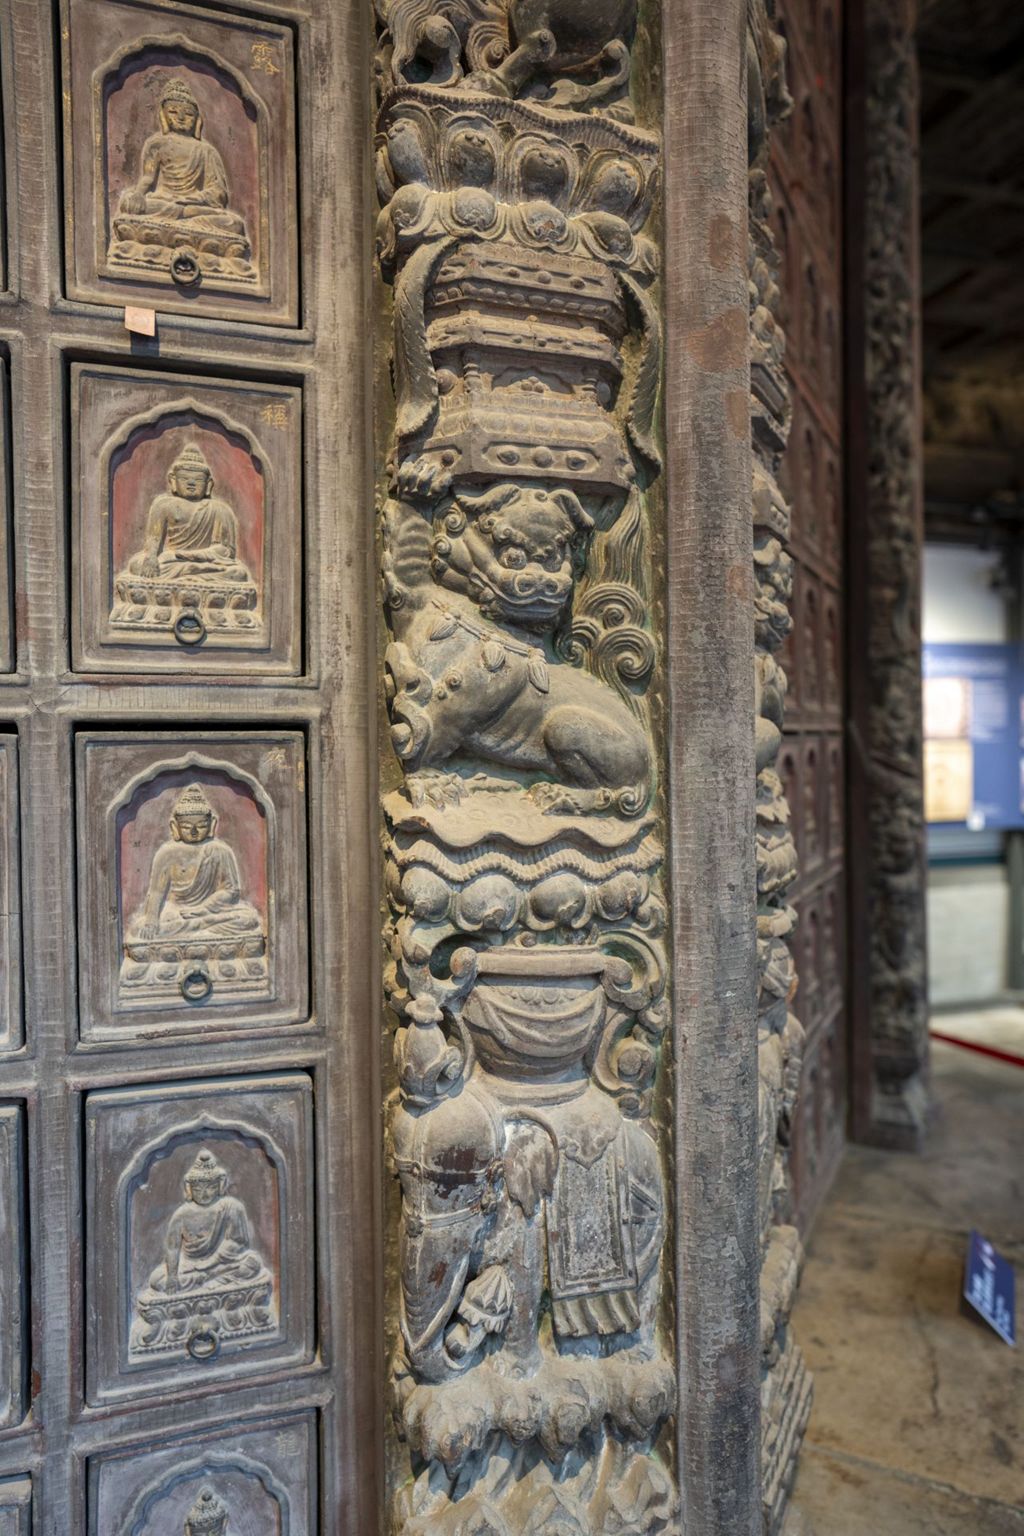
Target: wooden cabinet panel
(199, 1215)
(805, 161)
(13, 1312)
(15, 1506)
(11, 1030)
(259, 1479)
(192, 882)
(6, 573)
(187, 493)
(189, 898)
(180, 159)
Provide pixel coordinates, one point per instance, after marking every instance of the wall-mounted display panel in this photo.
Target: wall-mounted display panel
(13, 1316)
(11, 1030)
(192, 882)
(241, 1478)
(199, 1217)
(15, 1506)
(6, 571)
(186, 495)
(180, 159)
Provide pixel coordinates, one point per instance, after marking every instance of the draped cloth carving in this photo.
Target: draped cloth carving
(532, 1376)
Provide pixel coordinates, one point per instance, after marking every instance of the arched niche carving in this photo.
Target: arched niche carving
(222, 236)
(188, 531)
(199, 1234)
(191, 880)
(207, 1278)
(181, 159)
(203, 577)
(242, 1485)
(208, 935)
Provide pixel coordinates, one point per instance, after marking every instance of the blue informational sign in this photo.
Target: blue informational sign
(988, 1287)
(979, 710)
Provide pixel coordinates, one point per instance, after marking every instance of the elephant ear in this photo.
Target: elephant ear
(531, 1161)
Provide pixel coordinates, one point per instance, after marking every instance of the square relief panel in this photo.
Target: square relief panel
(15, 1506)
(187, 494)
(13, 1320)
(11, 1032)
(180, 156)
(199, 1233)
(192, 882)
(6, 574)
(238, 1481)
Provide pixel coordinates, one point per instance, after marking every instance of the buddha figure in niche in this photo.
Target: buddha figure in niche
(189, 557)
(208, 1516)
(211, 1282)
(181, 196)
(195, 933)
(195, 889)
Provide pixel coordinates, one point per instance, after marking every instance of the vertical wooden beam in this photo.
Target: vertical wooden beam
(1015, 840)
(710, 715)
(887, 957)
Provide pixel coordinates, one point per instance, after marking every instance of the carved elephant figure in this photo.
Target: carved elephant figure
(500, 1204)
(448, 1161)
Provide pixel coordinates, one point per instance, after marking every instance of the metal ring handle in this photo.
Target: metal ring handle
(189, 628)
(203, 1344)
(196, 985)
(185, 267)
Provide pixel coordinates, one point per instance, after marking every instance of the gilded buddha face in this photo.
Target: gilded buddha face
(181, 116)
(192, 818)
(193, 828)
(190, 481)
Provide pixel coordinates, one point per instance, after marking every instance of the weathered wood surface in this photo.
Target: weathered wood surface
(710, 699)
(532, 1371)
(888, 955)
(305, 1410)
(810, 233)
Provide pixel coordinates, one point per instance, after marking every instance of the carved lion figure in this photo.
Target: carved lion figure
(458, 683)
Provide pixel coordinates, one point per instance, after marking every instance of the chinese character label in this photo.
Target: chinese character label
(275, 414)
(263, 59)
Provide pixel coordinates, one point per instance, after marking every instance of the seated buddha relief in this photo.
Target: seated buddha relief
(195, 933)
(208, 1516)
(211, 1285)
(178, 213)
(187, 577)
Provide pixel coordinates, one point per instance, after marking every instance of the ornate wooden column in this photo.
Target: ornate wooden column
(888, 977)
(532, 1376)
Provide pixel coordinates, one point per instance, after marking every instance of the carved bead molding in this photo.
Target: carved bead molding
(532, 1377)
(785, 1383)
(890, 974)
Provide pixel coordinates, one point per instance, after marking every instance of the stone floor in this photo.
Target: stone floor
(918, 1420)
(1001, 1027)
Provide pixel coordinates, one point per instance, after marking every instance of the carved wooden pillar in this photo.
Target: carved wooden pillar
(785, 1383)
(888, 978)
(532, 1373)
